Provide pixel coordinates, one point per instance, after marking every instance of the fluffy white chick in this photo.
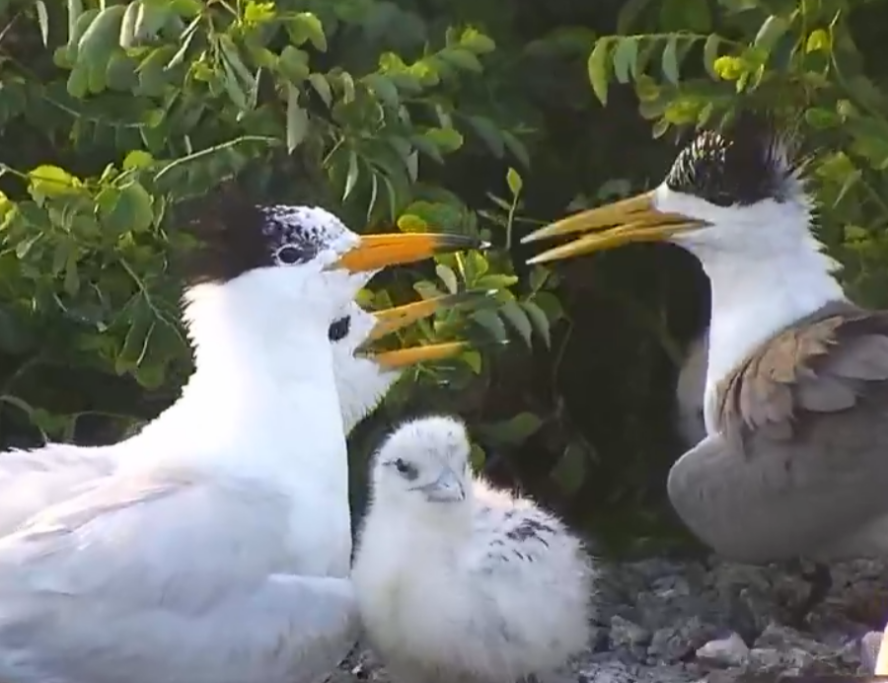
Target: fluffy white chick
(456, 580)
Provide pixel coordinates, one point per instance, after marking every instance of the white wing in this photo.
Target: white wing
(35, 479)
(166, 577)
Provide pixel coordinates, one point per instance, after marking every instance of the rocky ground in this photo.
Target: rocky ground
(663, 621)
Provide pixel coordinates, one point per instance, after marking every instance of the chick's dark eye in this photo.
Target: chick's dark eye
(289, 254)
(405, 469)
(339, 329)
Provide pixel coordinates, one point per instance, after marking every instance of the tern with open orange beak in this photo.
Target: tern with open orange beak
(796, 392)
(219, 535)
(364, 376)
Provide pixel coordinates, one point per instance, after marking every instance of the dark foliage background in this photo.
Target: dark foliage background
(471, 116)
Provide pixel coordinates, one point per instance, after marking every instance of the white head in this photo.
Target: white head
(737, 200)
(271, 271)
(361, 382)
(363, 377)
(275, 264)
(423, 468)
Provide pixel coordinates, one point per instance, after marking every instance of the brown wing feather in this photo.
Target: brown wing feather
(824, 364)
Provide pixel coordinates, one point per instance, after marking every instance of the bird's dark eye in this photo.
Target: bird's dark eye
(405, 469)
(290, 254)
(339, 329)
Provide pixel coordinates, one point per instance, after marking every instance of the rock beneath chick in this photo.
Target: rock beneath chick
(457, 581)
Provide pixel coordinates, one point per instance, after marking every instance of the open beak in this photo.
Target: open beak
(402, 358)
(375, 252)
(630, 220)
(391, 320)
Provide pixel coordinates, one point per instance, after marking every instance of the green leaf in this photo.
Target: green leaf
(491, 322)
(138, 158)
(597, 68)
(78, 26)
(818, 41)
(770, 32)
(516, 147)
(448, 277)
(624, 58)
(135, 343)
(512, 312)
(127, 35)
(297, 119)
(306, 26)
(78, 81)
(320, 84)
(669, 61)
(51, 181)
(383, 88)
(539, 319)
(445, 139)
(43, 21)
(514, 181)
(120, 74)
(153, 15)
(477, 42)
(495, 281)
(293, 65)
(473, 360)
(819, 117)
(125, 209)
(139, 204)
(462, 59)
(75, 10)
(710, 54)
(352, 178)
(488, 131)
(412, 223)
(71, 283)
(854, 233)
(258, 12)
(102, 36)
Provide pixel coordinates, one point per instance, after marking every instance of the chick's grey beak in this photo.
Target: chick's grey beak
(447, 488)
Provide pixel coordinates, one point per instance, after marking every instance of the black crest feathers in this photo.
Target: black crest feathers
(230, 231)
(746, 162)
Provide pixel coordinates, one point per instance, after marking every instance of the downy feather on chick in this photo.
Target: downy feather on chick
(456, 580)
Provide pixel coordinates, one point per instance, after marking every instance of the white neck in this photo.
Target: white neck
(765, 267)
(261, 404)
(754, 299)
(429, 528)
(361, 385)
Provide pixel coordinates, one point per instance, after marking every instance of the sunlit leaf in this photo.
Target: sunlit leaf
(597, 67)
(297, 119)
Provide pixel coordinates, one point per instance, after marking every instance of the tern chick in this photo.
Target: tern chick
(457, 580)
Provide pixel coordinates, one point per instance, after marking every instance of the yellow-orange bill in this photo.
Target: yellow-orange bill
(402, 358)
(390, 320)
(629, 220)
(374, 252)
